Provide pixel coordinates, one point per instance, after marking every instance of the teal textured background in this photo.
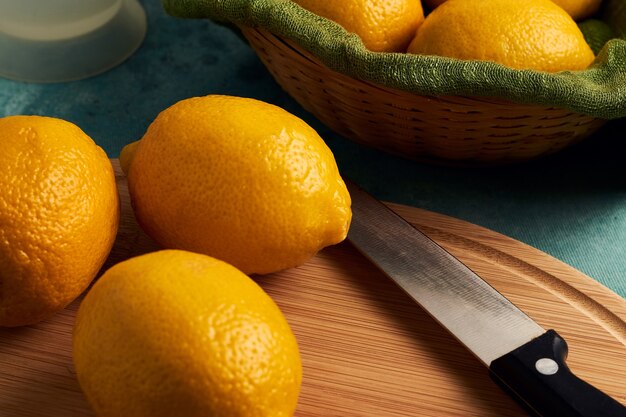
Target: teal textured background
(571, 205)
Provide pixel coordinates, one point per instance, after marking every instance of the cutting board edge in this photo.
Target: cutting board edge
(564, 281)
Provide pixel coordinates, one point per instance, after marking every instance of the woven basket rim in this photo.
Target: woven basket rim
(453, 131)
(461, 100)
(599, 91)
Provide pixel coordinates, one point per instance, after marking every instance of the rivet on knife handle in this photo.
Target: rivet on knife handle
(521, 355)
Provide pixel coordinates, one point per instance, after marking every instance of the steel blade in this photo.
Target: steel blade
(480, 317)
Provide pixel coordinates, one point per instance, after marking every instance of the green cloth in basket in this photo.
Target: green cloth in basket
(599, 91)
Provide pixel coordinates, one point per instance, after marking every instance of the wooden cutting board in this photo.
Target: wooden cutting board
(367, 349)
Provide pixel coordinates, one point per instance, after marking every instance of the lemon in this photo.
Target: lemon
(126, 156)
(383, 25)
(174, 333)
(578, 9)
(532, 34)
(240, 180)
(59, 213)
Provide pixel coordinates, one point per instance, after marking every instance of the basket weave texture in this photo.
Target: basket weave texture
(441, 130)
(432, 109)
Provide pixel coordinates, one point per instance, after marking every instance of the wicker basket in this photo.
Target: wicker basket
(439, 130)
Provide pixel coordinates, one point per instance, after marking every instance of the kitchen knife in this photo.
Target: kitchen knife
(526, 360)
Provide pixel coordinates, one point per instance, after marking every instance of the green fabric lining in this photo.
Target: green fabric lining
(599, 91)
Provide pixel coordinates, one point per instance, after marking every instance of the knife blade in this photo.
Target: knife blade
(524, 358)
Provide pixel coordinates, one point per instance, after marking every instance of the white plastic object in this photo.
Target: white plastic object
(66, 40)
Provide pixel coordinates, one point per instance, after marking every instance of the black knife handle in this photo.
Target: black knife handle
(536, 373)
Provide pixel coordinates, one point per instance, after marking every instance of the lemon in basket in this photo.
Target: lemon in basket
(237, 179)
(59, 213)
(383, 26)
(174, 333)
(578, 9)
(529, 34)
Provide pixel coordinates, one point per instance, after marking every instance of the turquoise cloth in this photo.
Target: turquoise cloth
(599, 91)
(571, 205)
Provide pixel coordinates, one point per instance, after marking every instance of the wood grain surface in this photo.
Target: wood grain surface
(367, 349)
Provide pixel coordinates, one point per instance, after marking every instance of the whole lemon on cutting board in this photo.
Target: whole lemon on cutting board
(578, 9)
(174, 333)
(382, 25)
(530, 34)
(237, 179)
(59, 214)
